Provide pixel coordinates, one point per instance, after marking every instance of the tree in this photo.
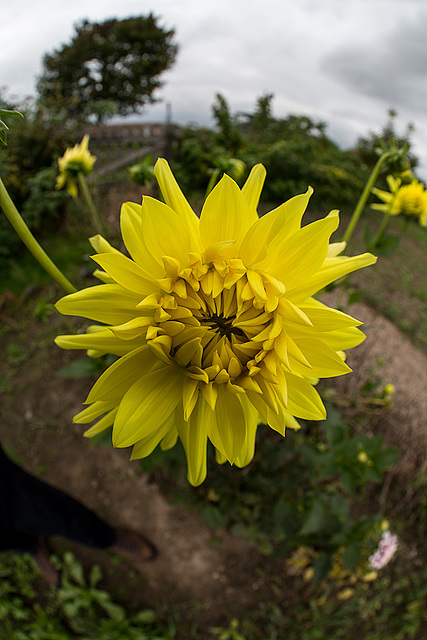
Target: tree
(228, 133)
(109, 67)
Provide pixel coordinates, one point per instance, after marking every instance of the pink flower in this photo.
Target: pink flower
(385, 551)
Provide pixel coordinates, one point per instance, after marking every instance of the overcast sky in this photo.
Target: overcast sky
(342, 61)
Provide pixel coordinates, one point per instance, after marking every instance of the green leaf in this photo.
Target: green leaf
(95, 575)
(368, 236)
(213, 516)
(351, 555)
(322, 566)
(387, 245)
(317, 519)
(81, 368)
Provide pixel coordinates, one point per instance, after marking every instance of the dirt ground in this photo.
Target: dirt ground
(208, 576)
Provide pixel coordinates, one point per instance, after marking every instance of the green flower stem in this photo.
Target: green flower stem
(30, 242)
(90, 203)
(380, 231)
(364, 196)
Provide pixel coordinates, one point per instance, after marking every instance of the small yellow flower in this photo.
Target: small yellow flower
(385, 525)
(362, 457)
(389, 389)
(213, 321)
(308, 574)
(75, 160)
(370, 576)
(407, 199)
(345, 594)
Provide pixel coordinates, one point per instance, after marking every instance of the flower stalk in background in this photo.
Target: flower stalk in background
(213, 320)
(389, 155)
(76, 163)
(21, 228)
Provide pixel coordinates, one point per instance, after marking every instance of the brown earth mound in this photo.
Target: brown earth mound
(405, 424)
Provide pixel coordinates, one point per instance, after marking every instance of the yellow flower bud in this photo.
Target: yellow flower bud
(389, 389)
(368, 577)
(308, 574)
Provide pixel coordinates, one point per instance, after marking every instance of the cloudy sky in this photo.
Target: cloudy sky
(342, 61)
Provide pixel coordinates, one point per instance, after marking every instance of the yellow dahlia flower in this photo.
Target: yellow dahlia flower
(408, 199)
(213, 321)
(75, 160)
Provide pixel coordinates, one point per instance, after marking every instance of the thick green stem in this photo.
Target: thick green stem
(364, 196)
(30, 242)
(90, 203)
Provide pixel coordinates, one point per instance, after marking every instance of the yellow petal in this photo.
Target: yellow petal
(331, 270)
(101, 245)
(164, 232)
(147, 404)
(303, 400)
(126, 273)
(93, 411)
(193, 436)
(228, 433)
(225, 216)
(146, 446)
(285, 220)
(133, 237)
(108, 303)
(252, 419)
(176, 200)
(295, 259)
(101, 425)
(103, 342)
(324, 361)
(121, 375)
(253, 187)
(324, 318)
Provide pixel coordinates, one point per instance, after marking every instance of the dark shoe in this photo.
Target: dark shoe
(44, 565)
(133, 546)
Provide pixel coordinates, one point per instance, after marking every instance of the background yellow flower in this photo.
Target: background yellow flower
(75, 160)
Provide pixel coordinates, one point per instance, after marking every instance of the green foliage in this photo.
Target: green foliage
(42, 210)
(115, 62)
(6, 113)
(78, 609)
(229, 135)
(297, 492)
(392, 608)
(34, 143)
(369, 147)
(143, 172)
(295, 151)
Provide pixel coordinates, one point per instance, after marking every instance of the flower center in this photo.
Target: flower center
(220, 322)
(222, 326)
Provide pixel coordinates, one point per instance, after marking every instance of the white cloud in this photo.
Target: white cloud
(342, 62)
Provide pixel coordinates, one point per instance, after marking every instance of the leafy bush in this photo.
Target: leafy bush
(78, 609)
(297, 492)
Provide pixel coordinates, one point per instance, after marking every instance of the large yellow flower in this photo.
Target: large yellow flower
(75, 160)
(213, 321)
